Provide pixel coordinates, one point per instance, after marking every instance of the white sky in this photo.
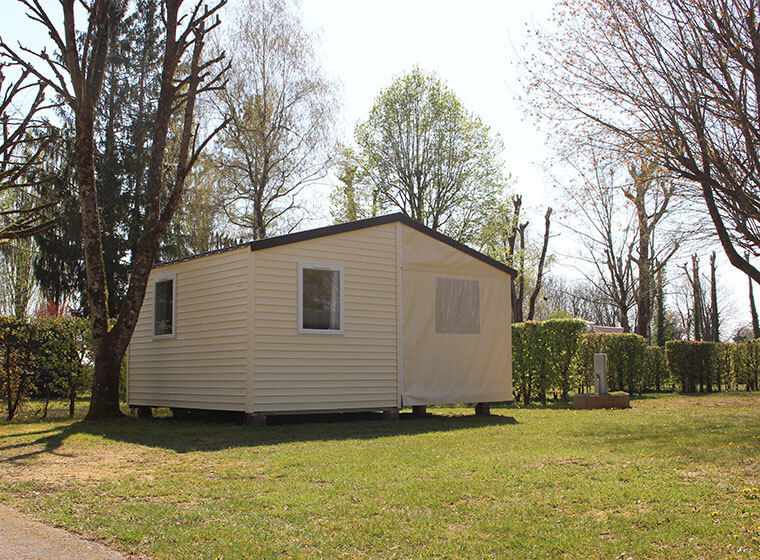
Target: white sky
(471, 45)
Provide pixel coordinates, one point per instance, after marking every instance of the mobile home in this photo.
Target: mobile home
(376, 314)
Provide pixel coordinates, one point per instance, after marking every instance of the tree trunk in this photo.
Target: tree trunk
(517, 310)
(540, 272)
(714, 316)
(752, 308)
(645, 292)
(103, 404)
(660, 319)
(105, 388)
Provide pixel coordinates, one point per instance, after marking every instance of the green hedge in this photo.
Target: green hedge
(542, 357)
(692, 365)
(43, 358)
(747, 364)
(656, 375)
(626, 361)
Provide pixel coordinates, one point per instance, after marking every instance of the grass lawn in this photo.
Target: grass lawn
(673, 477)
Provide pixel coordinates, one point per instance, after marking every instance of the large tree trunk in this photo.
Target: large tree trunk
(753, 311)
(105, 390)
(97, 293)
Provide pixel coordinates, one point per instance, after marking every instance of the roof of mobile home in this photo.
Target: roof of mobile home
(353, 226)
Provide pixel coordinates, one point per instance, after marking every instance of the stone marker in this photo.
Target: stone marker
(602, 398)
(600, 374)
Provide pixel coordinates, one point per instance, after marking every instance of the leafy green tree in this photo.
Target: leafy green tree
(351, 200)
(429, 157)
(282, 107)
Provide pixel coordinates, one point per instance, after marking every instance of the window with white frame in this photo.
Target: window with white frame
(320, 301)
(163, 306)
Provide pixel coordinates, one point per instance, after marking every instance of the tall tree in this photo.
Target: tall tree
(76, 73)
(282, 109)
(123, 119)
(675, 78)
(607, 234)
(620, 218)
(697, 296)
(650, 196)
(351, 199)
(502, 237)
(429, 157)
(17, 284)
(714, 313)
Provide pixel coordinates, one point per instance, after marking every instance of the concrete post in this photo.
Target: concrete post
(419, 411)
(600, 374)
(390, 414)
(482, 409)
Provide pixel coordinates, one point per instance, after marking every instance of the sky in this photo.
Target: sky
(473, 46)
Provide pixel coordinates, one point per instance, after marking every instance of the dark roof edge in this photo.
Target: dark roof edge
(204, 254)
(406, 220)
(378, 221)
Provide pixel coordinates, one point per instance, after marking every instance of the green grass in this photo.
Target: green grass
(673, 477)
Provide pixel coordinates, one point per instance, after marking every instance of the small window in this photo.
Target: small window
(321, 298)
(163, 307)
(457, 306)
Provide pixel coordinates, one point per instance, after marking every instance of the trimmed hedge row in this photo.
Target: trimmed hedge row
(626, 361)
(542, 357)
(708, 366)
(551, 357)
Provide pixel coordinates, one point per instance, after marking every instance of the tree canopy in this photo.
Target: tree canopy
(423, 153)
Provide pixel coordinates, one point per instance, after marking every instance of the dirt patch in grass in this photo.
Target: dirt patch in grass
(72, 465)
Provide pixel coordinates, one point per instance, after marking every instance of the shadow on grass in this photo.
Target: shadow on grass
(185, 436)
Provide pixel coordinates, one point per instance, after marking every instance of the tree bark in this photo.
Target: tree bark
(660, 319)
(714, 315)
(540, 272)
(752, 308)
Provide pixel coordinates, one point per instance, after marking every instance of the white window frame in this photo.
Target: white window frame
(163, 278)
(339, 269)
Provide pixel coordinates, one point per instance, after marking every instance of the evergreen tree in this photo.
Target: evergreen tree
(125, 113)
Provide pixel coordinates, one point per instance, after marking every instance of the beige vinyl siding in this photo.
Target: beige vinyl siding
(205, 365)
(309, 372)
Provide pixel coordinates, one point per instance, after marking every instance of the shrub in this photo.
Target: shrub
(43, 357)
(542, 354)
(18, 351)
(724, 368)
(656, 374)
(626, 360)
(747, 363)
(692, 364)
